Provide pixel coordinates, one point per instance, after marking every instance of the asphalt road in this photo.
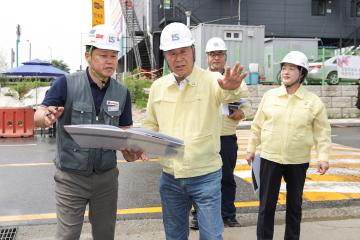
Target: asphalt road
(349, 136)
(27, 186)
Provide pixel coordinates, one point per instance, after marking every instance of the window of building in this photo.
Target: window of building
(233, 35)
(355, 8)
(318, 7)
(167, 4)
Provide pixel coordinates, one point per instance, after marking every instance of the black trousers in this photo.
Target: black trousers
(228, 154)
(270, 181)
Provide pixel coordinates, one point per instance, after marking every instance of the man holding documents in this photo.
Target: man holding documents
(185, 104)
(290, 120)
(232, 113)
(87, 175)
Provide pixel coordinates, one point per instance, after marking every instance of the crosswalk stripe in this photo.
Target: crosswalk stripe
(355, 173)
(322, 186)
(321, 178)
(242, 165)
(321, 196)
(242, 156)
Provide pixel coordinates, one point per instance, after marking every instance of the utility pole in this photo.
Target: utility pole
(188, 15)
(239, 12)
(18, 33)
(29, 49)
(50, 48)
(12, 57)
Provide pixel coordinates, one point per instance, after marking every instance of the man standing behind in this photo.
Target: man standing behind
(87, 176)
(216, 57)
(185, 104)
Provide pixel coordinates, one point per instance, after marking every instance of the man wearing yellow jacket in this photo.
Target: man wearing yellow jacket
(185, 104)
(231, 114)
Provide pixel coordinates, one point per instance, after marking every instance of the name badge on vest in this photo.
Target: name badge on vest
(113, 106)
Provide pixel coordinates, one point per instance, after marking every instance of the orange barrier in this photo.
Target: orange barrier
(16, 122)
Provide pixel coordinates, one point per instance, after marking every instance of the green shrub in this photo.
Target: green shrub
(137, 84)
(3, 79)
(24, 87)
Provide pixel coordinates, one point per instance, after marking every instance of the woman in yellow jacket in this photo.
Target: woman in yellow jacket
(290, 120)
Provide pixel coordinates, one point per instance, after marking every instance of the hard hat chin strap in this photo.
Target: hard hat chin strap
(99, 76)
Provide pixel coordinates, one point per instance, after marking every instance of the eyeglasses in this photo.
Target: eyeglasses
(216, 54)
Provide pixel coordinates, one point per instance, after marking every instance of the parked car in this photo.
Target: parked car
(316, 69)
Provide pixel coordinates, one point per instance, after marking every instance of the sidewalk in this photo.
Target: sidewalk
(346, 122)
(139, 114)
(329, 223)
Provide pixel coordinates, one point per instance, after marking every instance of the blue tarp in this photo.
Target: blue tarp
(35, 68)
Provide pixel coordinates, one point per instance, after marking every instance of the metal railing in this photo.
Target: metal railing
(138, 37)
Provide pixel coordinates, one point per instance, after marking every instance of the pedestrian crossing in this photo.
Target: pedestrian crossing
(341, 182)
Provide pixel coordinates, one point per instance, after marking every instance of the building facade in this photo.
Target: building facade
(335, 22)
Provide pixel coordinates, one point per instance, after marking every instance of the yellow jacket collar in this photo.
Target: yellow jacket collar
(300, 92)
(192, 78)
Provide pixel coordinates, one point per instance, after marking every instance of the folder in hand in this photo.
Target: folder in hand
(255, 174)
(154, 144)
(228, 108)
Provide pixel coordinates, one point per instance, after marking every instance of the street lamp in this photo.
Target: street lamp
(188, 15)
(29, 49)
(18, 33)
(239, 7)
(81, 49)
(50, 49)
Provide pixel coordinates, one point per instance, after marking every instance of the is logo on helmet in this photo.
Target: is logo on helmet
(111, 39)
(175, 37)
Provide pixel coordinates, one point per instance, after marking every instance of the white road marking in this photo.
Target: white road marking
(18, 145)
(334, 187)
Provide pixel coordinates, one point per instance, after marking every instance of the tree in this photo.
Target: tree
(3, 63)
(60, 65)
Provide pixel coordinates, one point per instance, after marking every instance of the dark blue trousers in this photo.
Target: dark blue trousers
(228, 154)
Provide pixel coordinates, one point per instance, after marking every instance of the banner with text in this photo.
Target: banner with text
(348, 67)
(97, 12)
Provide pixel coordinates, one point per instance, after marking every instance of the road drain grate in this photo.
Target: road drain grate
(8, 233)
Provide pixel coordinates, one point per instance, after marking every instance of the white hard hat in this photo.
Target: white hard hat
(175, 35)
(103, 37)
(297, 58)
(215, 44)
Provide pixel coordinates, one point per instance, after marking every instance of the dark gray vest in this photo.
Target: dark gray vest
(80, 109)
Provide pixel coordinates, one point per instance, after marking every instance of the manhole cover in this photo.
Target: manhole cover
(8, 233)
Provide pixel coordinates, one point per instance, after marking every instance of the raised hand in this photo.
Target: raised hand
(232, 79)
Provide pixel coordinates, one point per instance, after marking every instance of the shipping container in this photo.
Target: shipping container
(245, 43)
(277, 48)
